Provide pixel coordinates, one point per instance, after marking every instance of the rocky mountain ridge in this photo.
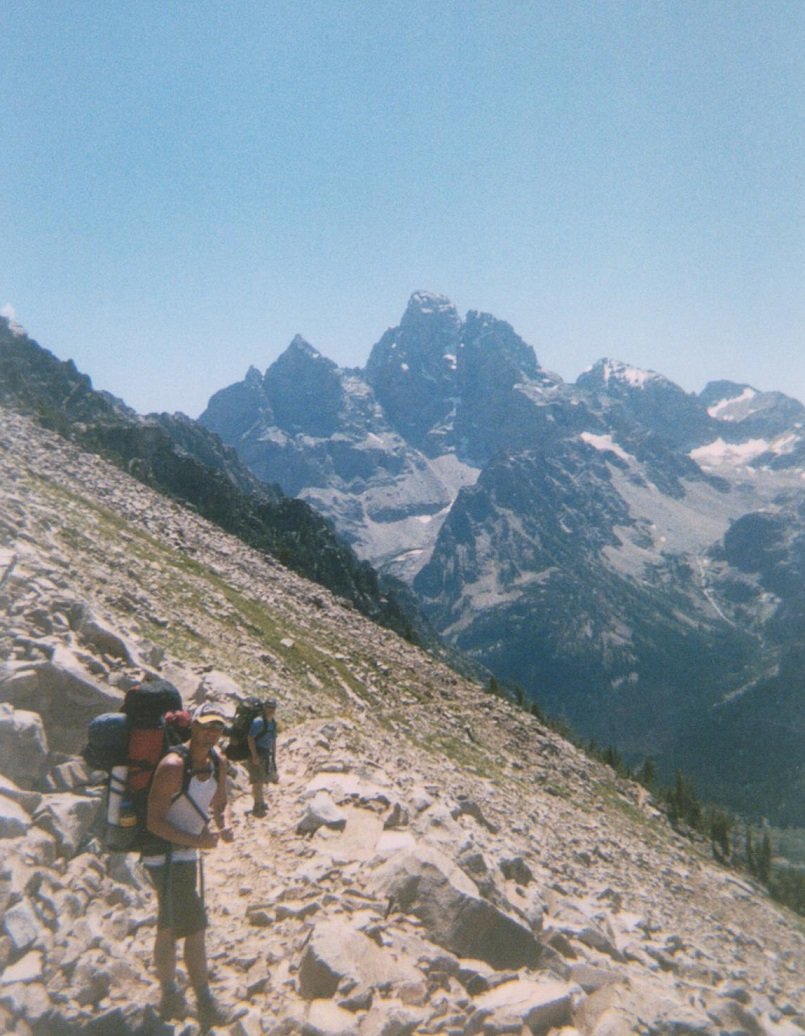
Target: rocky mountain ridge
(578, 540)
(435, 861)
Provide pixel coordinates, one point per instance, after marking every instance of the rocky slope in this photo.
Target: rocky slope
(585, 542)
(435, 861)
(178, 456)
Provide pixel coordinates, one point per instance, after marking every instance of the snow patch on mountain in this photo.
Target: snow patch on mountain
(430, 302)
(732, 454)
(615, 370)
(725, 409)
(606, 444)
(719, 453)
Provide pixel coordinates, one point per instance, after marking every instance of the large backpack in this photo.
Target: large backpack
(129, 745)
(247, 710)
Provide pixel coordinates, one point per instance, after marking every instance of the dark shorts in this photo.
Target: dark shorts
(263, 771)
(180, 905)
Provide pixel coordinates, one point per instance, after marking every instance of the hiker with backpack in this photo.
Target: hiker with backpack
(262, 759)
(187, 790)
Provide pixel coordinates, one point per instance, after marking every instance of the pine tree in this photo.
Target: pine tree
(751, 860)
(720, 827)
(647, 774)
(764, 859)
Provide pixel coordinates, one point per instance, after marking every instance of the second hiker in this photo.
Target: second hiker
(262, 741)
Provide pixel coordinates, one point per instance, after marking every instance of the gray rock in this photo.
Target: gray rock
(427, 884)
(23, 745)
(105, 641)
(63, 693)
(68, 775)
(29, 800)
(321, 811)
(328, 1019)
(14, 820)
(538, 1006)
(26, 969)
(390, 1019)
(515, 868)
(22, 926)
(732, 1017)
(338, 957)
(68, 818)
(220, 688)
(29, 1001)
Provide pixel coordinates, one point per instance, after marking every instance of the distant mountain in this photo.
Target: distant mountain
(599, 544)
(180, 457)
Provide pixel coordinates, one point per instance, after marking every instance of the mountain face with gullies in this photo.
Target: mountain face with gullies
(626, 553)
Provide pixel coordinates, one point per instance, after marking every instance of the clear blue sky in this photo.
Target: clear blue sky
(184, 186)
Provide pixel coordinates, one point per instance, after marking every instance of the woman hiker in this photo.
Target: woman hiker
(188, 787)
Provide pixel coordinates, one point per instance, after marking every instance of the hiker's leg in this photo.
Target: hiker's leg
(259, 794)
(195, 958)
(165, 956)
(165, 939)
(256, 775)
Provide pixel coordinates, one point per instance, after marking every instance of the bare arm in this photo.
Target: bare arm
(220, 803)
(255, 755)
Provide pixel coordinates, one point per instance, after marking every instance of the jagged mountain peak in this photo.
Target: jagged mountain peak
(729, 401)
(412, 369)
(648, 399)
(485, 334)
(299, 344)
(429, 303)
(304, 389)
(9, 319)
(617, 375)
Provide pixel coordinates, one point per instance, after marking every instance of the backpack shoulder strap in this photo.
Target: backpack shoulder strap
(183, 751)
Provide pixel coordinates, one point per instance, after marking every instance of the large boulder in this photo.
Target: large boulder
(321, 811)
(105, 641)
(539, 1006)
(14, 820)
(62, 691)
(219, 688)
(68, 818)
(29, 800)
(23, 745)
(427, 884)
(337, 957)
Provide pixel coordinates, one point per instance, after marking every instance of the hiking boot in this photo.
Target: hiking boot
(172, 1004)
(212, 1014)
(260, 811)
